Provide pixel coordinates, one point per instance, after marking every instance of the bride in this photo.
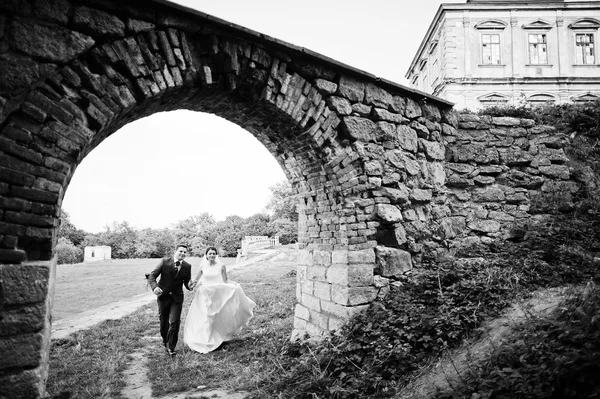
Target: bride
(219, 309)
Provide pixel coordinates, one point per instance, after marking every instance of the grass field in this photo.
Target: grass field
(91, 363)
(85, 286)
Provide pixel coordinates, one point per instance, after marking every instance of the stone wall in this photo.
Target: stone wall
(385, 176)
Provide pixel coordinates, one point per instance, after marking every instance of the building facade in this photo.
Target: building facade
(490, 52)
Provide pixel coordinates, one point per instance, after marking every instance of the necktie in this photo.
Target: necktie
(177, 266)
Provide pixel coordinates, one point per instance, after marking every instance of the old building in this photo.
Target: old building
(489, 52)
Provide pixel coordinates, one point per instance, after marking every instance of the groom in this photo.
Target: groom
(174, 272)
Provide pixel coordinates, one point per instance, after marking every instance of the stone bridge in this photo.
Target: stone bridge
(385, 176)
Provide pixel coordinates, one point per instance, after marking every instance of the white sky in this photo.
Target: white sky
(216, 166)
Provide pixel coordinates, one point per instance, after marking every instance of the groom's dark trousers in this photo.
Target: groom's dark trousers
(171, 300)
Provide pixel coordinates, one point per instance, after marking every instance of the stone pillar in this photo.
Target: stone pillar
(331, 287)
(26, 295)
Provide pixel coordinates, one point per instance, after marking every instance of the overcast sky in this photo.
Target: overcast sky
(169, 166)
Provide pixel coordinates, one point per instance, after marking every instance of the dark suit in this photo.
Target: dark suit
(171, 300)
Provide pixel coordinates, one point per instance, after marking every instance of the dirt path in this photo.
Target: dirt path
(439, 379)
(137, 385)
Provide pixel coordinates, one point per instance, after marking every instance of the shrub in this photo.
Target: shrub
(67, 252)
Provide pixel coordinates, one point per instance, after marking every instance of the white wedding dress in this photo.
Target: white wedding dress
(218, 311)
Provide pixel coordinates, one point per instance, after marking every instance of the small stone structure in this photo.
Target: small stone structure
(385, 176)
(250, 243)
(96, 253)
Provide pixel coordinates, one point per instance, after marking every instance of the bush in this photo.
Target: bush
(67, 252)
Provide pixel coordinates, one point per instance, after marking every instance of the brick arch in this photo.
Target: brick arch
(364, 155)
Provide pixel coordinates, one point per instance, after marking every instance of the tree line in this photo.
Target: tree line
(197, 231)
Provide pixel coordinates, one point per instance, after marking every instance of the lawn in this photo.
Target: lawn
(90, 363)
(86, 286)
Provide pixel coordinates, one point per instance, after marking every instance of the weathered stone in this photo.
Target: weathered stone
(325, 86)
(23, 320)
(396, 195)
(488, 194)
(556, 171)
(351, 88)
(420, 195)
(421, 130)
(385, 115)
(52, 43)
(18, 72)
(385, 131)
(407, 138)
(137, 26)
(378, 97)
(475, 152)
(388, 213)
(515, 157)
(451, 227)
(506, 121)
(392, 262)
(373, 168)
(24, 385)
(17, 293)
(431, 112)
(21, 350)
(516, 178)
(412, 109)
(361, 257)
(340, 105)
(484, 226)
(52, 10)
(97, 23)
(434, 151)
(359, 128)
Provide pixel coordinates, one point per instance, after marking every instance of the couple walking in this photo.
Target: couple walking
(218, 311)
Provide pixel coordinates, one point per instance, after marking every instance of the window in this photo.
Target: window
(538, 50)
(584, 49)
(490, 46)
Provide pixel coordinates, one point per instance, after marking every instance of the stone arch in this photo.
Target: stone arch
(364, 155)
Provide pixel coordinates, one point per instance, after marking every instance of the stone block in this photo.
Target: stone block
(322, 290)
(340, 294)
(361, 257)
(321, 258)
(319, 319)
(336, 324)
(23, 320)
(318, 273)
(407, 138)
(358, 128)
(305, 257)
(434, 151)
(97, 23)
(49, 42)
(484, 226)
(392, 262)
(360, 274)
(27, 384)
(388, 213)
(352, 89)
(338, 274)
(339, 257)
(302, 312)
(23, 284)
(311, 302)
(21, 351)
(361, 295)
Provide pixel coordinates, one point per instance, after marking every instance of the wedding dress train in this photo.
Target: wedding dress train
(218, 311)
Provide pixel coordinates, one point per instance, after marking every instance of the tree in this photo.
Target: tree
(286, 229)
(67, 230)
(257, 225)
(196, 231)
(229, 234)
(67, 253)
(121, 237)
(283, 202)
